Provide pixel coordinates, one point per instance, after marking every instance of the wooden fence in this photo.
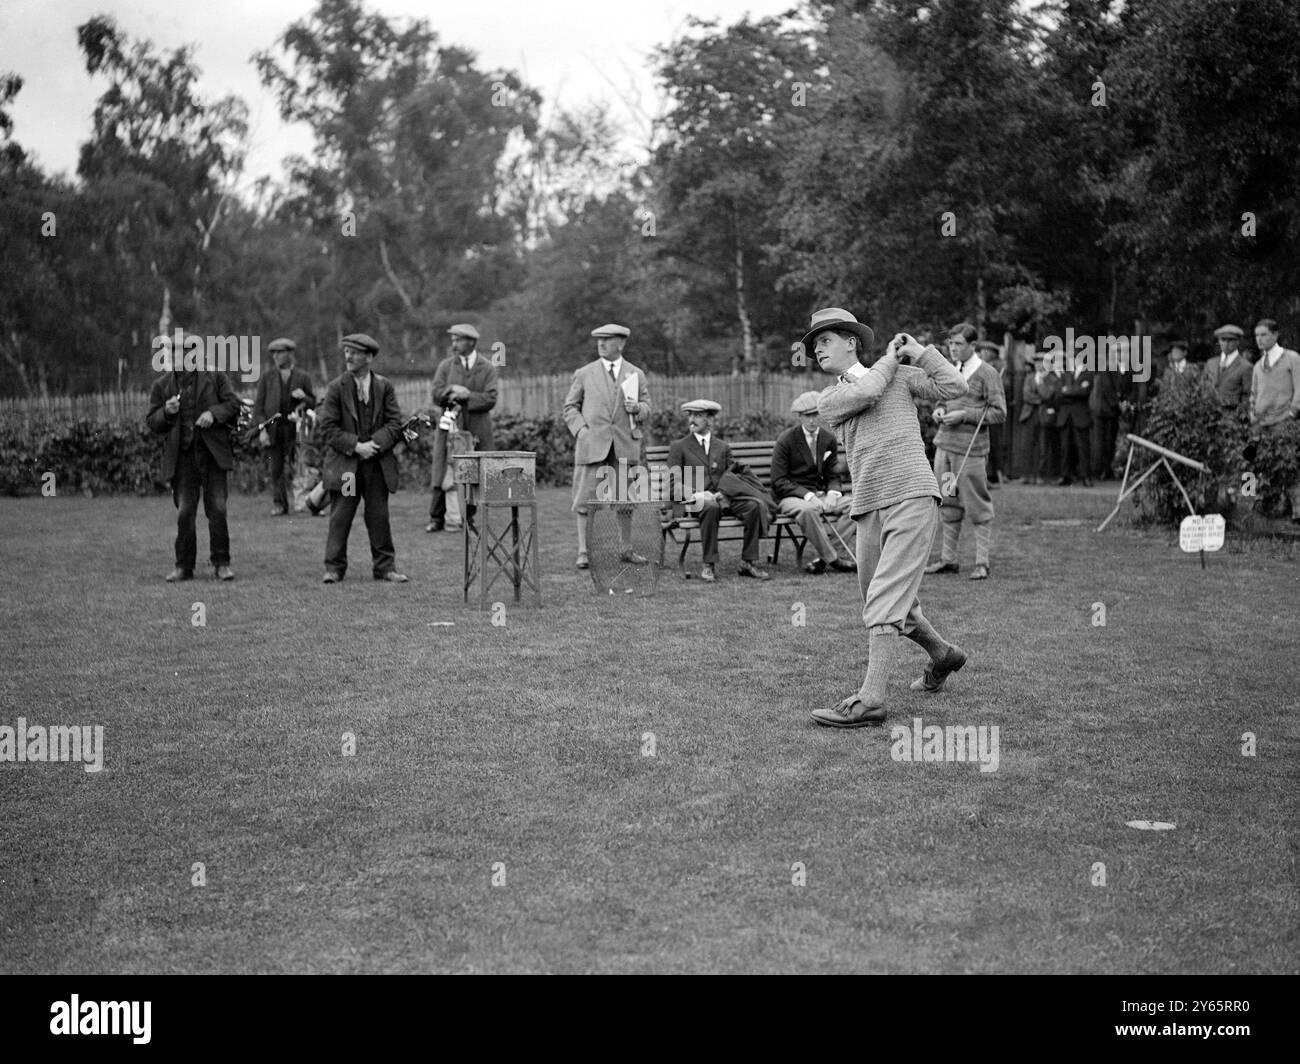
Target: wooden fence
(528, 396)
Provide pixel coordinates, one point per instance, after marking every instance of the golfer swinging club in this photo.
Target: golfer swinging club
(895, 495)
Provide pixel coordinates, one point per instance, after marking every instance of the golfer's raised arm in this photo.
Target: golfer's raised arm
(938, 379)
(843, 401)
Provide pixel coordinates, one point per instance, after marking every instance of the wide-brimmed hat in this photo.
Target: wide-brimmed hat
(840, 320)
(805, 403)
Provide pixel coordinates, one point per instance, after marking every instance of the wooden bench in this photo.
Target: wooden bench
(757, 455)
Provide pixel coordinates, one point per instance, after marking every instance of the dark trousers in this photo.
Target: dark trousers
(197, 472)
(370, 487)
(284, 440)
(993, 468)
(1105, 430)
(748, 510)
(1075, 448)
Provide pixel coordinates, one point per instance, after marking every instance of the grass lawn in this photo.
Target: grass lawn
(516, 752)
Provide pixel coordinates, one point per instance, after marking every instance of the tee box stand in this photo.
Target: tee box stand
(500, 484)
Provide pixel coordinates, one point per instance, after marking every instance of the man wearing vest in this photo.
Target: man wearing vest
(280, 393)
(359, 425)
(1275, 394)
(464, 384)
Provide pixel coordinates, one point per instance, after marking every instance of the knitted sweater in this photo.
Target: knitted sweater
(875, 417)
(1275, 390)
(984, 395)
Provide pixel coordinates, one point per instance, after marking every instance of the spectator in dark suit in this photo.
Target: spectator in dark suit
(359, 426)
(465, 385)
(196, 410)
(1074, 420)
(1229, 375)
(1034, 427)
(991, 355)
(808, 488)
(282, 392)
(1103, 405)
(1179, 372)
(700, 449)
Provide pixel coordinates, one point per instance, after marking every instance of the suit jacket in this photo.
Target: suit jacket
(1107, 391)
(476, 411)
(1035, 398)
(267, 401)
(687, 453)
(1233, 386)
(339, 429)
(214, 394)
(1072, 403)
(1190, 376)
(595, 404)
(796, 471)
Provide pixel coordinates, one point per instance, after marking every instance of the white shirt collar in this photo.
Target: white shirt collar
(469, 360)
(1227, 360)
(703, 441)
(617, 364)
(969, 367)
(854, 371)
(364, 384)
(1273, 354)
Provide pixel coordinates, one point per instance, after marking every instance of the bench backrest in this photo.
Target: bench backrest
(757, 454)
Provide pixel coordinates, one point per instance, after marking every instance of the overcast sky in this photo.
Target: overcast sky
(573, 51)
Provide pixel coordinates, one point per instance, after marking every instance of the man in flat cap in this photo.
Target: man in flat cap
(710, 459)
(359, 426)
(606, 408)
(1229, 376)
(895, 495)
(808, 488)
(465, 386)
(196, 410)
(961, 449)
(282, 392)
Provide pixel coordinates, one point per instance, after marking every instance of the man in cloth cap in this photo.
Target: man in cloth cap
(606, 408)
(1229, 376)
(281, 392)
(709, 459)
(196, 410)
(465, 386)
(359, 426)
(895, 495)
(808, 488)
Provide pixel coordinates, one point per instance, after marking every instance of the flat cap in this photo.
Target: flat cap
(702, 406)
(362, 342)
(467, 331)
(989, 345)
(282, 344)
(607, 331)
(1229, 332)
(805, 403)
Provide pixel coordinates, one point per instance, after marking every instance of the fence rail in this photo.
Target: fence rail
(528, 396)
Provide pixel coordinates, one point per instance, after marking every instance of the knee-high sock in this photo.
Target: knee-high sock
(582, 533)
(951, 533)
(924, 636)
(983, 540)
(624, 529)
(882, 650)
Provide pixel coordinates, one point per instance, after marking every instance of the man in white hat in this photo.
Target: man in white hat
(808, 488)
(606, 408)
(895, 495)
(465, 386)
(709, 458)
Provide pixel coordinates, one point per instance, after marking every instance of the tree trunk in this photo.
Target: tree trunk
(747, 359)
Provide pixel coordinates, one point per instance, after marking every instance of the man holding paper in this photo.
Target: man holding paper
(607, 405)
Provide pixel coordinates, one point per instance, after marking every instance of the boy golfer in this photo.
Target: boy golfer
(895, 495)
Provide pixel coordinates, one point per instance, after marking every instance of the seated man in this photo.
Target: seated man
(807, 487)
(709, 459)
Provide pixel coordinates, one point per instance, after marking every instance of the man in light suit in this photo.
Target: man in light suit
(701, 450)
(196, 410)
(280, 393)
(606, 408)
(359, 426)
(1229, 375)
(465, 385)
(808, 488)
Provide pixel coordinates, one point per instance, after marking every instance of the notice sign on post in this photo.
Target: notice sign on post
(1201, 533)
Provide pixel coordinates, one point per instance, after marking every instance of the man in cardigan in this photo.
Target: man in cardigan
(465, 382)
(960, 452)
(359, 426)
(196, 410)
(894, 496)
(606, 408)
(1275, 392)
(279, 393)
(808, 488)
(701, 450)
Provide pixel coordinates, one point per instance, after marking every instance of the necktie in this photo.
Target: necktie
(612, 375)
(465, 362)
